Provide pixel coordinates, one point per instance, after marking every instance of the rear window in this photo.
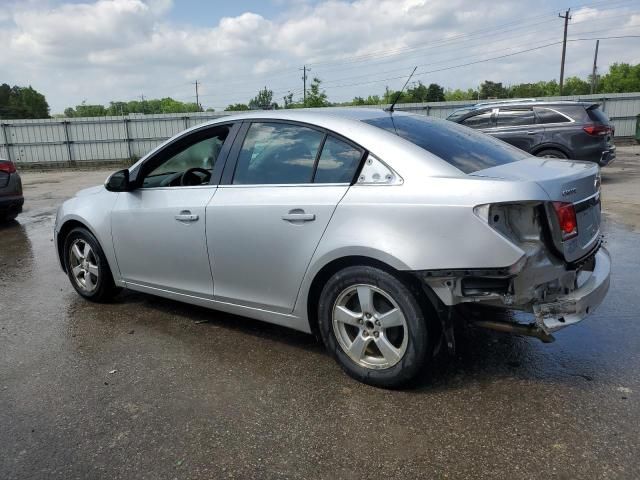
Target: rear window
(597, 115)
(462, 147)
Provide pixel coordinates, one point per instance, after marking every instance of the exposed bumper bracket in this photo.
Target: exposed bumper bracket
(575, 306)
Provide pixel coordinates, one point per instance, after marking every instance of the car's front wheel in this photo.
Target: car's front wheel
(87, 266)
(374, 325)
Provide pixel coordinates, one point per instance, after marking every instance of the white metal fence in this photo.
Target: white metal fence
(70, 142)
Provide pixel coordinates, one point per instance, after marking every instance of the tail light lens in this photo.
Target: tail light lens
(566, 214)
(7, 167)
(597, 130)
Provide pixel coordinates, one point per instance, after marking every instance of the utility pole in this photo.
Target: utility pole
(595, 69)
(566, 18)
(304, 83)
(197, 96)
(142, 97)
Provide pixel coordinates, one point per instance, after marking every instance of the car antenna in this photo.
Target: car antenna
(390, 109)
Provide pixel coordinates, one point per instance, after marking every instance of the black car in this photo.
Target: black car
(563, 129)
(11, 199)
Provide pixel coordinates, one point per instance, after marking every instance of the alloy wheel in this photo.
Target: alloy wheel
(84, 265)
(370, 326)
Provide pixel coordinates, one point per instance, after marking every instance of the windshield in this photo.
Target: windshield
(462, 147)
(457, 114)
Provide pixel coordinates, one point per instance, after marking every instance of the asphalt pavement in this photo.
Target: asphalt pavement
(151, 388)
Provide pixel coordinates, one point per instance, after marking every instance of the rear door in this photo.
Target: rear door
(280, 189)
(518, 127)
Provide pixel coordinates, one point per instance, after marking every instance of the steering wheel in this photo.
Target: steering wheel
(192, 176)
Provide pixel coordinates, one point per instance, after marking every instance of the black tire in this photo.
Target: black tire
(552, 153)
(105, 288)
(8, 217)
(418, 347)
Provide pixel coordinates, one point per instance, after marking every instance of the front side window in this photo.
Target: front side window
(338, 162)
(277, 153)
(515, 117)
(482, 120)
(190, 162)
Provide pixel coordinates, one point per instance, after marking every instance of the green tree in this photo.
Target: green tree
(435, 93)
(262, 101)
(417, 94)
(458, 94)
(489, 89)
(150, 106)
(315, 96)
(22, 102)
(236, 107)
(576, 86)
(621, 77)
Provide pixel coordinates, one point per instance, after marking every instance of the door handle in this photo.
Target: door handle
(186, 216)
(530, 132)
(298, 215)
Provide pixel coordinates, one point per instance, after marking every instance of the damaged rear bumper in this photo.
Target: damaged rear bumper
(571, 308)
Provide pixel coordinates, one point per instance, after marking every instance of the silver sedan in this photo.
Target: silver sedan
(372, 229)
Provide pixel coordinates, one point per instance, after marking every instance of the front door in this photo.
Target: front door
(264, 226)
(159, 228)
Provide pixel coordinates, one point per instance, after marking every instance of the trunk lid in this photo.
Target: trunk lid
(564, 181)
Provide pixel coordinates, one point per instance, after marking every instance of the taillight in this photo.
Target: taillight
(597, 130)
(566, 214)
(6, 166)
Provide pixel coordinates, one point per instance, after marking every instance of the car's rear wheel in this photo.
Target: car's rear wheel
(374, 325)
(87, 266)
(551, 153)
(8, 217)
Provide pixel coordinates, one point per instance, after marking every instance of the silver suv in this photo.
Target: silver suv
(567, 129)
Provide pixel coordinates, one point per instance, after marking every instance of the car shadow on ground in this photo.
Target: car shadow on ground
(480, 355)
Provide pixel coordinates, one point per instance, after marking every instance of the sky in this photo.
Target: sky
(98, 51)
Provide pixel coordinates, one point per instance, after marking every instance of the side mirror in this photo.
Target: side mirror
(118, 181)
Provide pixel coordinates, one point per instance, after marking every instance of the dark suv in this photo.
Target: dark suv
(576, 130)
(11, 199)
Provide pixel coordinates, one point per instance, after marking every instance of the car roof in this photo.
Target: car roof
(311, 115)
(351, 124)
(524, 103)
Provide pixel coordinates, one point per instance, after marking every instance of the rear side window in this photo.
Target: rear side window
(465, 149)
(546, 115)
(277, 153)
(515, 117)
(338, 162)
(482, 120)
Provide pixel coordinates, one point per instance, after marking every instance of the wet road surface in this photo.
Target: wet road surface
(150, 388)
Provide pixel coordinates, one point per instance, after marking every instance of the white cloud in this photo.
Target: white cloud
(118, 49)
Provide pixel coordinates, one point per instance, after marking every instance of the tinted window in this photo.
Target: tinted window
(277, 153)
(546, 115)
(514, 117)
(597, 115)
(462, 147)
(483, 120)
(338, 162)
(458, 114)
